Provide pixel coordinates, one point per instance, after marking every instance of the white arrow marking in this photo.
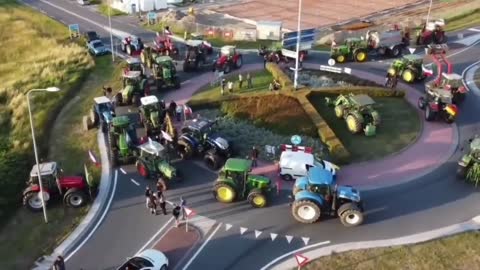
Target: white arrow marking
(273, 236)
(123, 171)
(257, 233)
(228, 227)
(411, 50)
(188, 211)
(289, 238)
(135, 182)
(305, 240)
(243, 230)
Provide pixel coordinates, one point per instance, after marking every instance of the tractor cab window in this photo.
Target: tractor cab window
(235, 176)
(322, 189)
(103, 107)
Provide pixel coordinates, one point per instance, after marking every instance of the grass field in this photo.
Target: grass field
(455, 252)
(103, 9)
(399, 127)
(39, 54)
(260, 82)
(464, 20)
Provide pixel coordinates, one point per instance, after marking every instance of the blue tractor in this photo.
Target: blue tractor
(197, 139)
(100, 115)
(317, 194)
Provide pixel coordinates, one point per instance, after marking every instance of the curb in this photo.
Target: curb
(70, 245)
(471, 225)
(468, 77)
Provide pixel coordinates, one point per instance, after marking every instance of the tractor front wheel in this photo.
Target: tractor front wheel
(339, 111)
(396, 51)
(212, 160)
(429, 114)
(257, 199)
(353, 124)
(350, 215)
(361, 56)
(75, 198)
(287, 177)
(227, 68)
(340, 59)
(224, 193)
(408, 76)
(306, 211)
(142, 169)
(185, 150)
(33, 201)
(239, 62)
(421, 103)
(461, 172)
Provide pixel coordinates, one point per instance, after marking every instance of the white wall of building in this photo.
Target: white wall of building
(140, 5)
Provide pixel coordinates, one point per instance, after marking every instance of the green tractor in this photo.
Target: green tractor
(165, 73)
(469, 166)
(358, 112)
(409, 68)
(151, 115)
(154, 161)
(122, 137)
(355, 49)
(235, 182)
(135, 86)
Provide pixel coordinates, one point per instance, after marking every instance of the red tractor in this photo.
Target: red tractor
(229, 59)
(72, 189)
(164, 45)
(132, 45)
(432, 33)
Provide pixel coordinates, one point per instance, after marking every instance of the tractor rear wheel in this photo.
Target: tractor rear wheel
(353, 124)
(429, 114)
(395, 51)
(212, 160)
(224, 193)
(75, 198)
(94, 117)
(421, 103)
(239, 62)
(226, 70)
(408, 75)
(339, 111)
(287, 177)
(87, 123)
(361, 56)
(113, 157)
(350, 215)
(142, 169)
(461, 172)
(185, 150)
(136, 100)
(257, 199)
(306, 211)
(33, 201)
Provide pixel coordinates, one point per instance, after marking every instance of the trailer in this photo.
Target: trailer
(389, 43)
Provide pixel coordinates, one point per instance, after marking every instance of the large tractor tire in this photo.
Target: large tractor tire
(350, 215)
(87, 123)
(421, 103)
(119, 99)
(33, 202)
(75, 198)
(353, 124)
(396, 51)
(462, 172)
(114, 158)
(224, 193)
(339, 111)
(340, 59)
(361, 56)
(185, 150)
(94, 117)
(227, 68)
(212, 160)
(306, 211)
(239, 62)
(142, 169)
(429, 114)
(256, 198)
(408, 76)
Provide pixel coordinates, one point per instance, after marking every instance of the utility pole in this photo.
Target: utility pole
(111, 34)
(295, 80)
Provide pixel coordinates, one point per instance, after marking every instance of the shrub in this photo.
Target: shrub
(278, 74)
(371, 91)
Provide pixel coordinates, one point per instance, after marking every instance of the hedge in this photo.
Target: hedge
(371, 91)
(335, 146)
(278, 74)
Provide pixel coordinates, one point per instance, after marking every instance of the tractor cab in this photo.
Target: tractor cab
(199, 128)
(131, 78)
(201, 44)
(123, 125)
(164, 67)
(152, 149)
(412, 59)
(50, 175)
(104, 108)
(151, 115)
(150, 104)
(154, 160)
(228, 51)
(318, 181)
(134, 64)
(361, 101)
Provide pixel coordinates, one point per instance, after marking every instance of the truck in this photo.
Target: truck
(389, 43)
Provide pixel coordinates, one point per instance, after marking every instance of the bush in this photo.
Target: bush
(371, 91)
(278, 74)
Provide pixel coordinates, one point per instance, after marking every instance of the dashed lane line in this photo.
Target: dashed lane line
(135, 182)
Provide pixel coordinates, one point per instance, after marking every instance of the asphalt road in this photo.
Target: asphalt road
(434, 201)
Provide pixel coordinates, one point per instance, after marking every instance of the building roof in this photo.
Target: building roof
(101, 100)
(238, 165)
(152, 147)
(319, 176)
(47, 168)
(148, 100)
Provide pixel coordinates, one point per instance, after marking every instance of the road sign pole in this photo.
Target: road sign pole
(186, 224)
(111, 34)
(429, 9)
(295, 80)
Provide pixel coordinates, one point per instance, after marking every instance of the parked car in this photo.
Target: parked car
(150, 259)
(91, 36)
(97, 47)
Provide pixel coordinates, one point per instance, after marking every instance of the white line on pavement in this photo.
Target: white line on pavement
(293, 252)
(155, 235)
(105, 211)
(135, 182)
(461, 51)
(185, 82)
(202, 246)
(123, 171)
(474, 29)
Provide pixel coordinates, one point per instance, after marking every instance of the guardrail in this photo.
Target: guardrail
(335, 69)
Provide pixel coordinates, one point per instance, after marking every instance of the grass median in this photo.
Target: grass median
(104, 9)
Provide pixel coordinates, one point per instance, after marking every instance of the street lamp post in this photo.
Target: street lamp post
(111, 35)
(49, 89)
(429, 10)
(295, 80)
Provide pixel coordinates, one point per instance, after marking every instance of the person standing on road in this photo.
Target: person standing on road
(162, 202)
(176, 214)
(59, 263)
(183, 204)
(240, 81)
(148, 192)
(172, 108)
(265, 59)
(152, 204)
(223, 84)
(230, 86)
(254, 156)
(161, 185)
(249, 81)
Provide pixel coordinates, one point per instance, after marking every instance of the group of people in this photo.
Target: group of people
(229, 85)
(157, 199)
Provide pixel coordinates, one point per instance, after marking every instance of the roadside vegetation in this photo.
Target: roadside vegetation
(464, 20)
(103, 8)
(456, 252)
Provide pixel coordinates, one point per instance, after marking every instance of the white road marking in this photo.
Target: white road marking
(228, 227)
(243, 230)
(289, 238)
(461, 51)
(123, 171)
(185, 82)
(135, 182)
(99, 221)
(293, 252)
(155, 235)
(474, 29)
(202, 247)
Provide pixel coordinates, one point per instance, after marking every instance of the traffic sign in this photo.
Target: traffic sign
(288, 53)
(189, 212)
(296, 140)
(152, 15)
(301, 260)
(331, 62)
(293, 35)
(74, 30)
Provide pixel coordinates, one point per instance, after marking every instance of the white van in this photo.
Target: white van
(294, 164)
